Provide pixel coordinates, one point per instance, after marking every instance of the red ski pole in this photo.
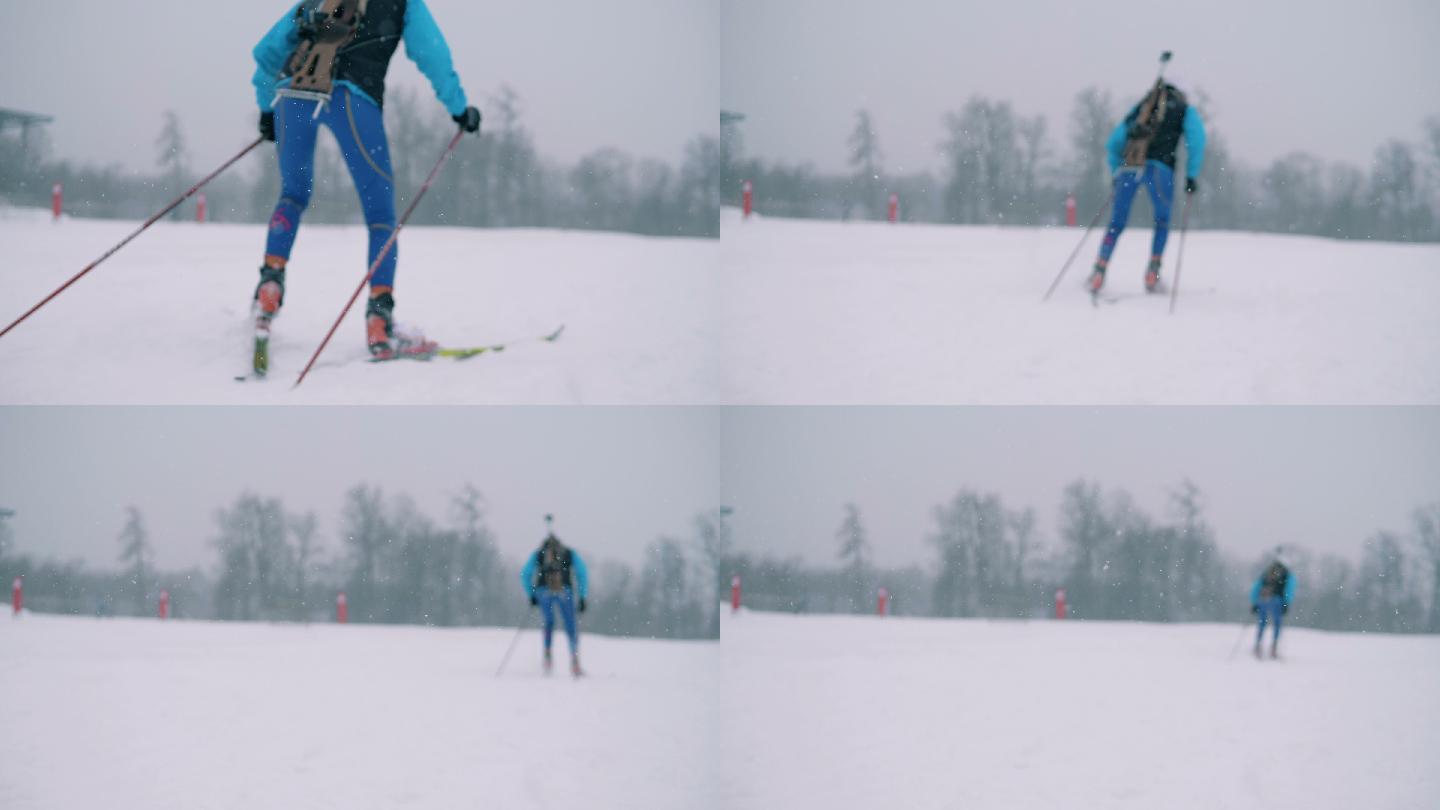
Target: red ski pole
(151, 221)
(380, 257)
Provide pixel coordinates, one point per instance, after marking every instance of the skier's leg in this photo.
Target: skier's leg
(1264, 614)
(1127, 182)
(1275, 639)
(359, 128)
(567, 612)
(547, 615)
(1160, 180)
(295, 147)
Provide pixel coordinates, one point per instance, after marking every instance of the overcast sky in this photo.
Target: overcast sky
(1332, 77)
(639, 75)
(1321, 478)
(615, 478)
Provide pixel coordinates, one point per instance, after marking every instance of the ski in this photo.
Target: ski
(471, 351)
(422, 350)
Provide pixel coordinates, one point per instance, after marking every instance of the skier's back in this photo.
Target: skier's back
(1142, 150)
(1270, 598)
(325, 62)
(554, 577)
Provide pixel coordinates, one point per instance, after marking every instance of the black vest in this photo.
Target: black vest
(365, 60)
(1272, 582)
(1167, 135)
(552, 570)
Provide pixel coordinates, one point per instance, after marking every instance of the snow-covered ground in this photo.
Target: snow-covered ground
(870, 313)
(166, 320)
(859, 712)
(127, 713)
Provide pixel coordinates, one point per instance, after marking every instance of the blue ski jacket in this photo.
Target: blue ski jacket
(424, 44)
(1193, 129)
(577, 571)
(1287, 598)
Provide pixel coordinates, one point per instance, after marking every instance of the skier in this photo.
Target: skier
(1270, 599)
(554, 577)
(1141, 151)
(324, 62)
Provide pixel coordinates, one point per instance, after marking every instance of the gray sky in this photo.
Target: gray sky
(1332, 77)
(1321, 478)
(639, 75)
(615, 478)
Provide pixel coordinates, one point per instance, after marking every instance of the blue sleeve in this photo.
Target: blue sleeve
(1115, 146)
(426, 47)
(582, 577)
(1255, 592)
(527, 575)
(1194, 130)
(1289, 589)
(270, 55)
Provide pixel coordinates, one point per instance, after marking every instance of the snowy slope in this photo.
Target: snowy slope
(131, 713)
(166, 319)
(870, 313)
(861, 712)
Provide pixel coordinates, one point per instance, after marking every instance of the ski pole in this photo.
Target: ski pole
(1244, 627)
(151, 221)
(1180, 256)
(1076, 252)
(520, 628)
(380, 257)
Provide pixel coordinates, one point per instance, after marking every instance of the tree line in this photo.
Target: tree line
(495, 179)
(394, 563)
(1003, 167)
(1114, 561)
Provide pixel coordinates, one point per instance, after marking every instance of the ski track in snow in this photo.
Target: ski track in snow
(166, 320)
(870, 313)
(845, 711)
(132, 713)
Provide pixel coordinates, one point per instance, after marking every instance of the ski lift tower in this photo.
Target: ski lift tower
(23, 121)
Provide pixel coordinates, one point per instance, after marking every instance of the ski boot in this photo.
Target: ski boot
(1274, 652)
(575, 669)
(549, 663)
(1152, 276)
(269, 295)
(1259, 656)
(387, 342)
(380, 325)
(1097, 278)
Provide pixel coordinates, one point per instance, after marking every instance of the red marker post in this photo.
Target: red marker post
(748, 196)
(734, 593)
(200, 208)
(57, 200)
(1060, 603)
(882, 602)
(342, 609)
(164, 605)
(894, 208)
(17, 596)
(1070, 209)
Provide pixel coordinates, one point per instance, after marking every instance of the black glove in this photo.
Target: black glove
(582, 604)
(1191, 186)
(267, 126)
(1253, 608)
(468, 120)
(534, 600)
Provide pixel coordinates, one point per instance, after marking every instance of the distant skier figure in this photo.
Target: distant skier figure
(324, 62)
(1270, 599)
(555, 577)
(1141, 151)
